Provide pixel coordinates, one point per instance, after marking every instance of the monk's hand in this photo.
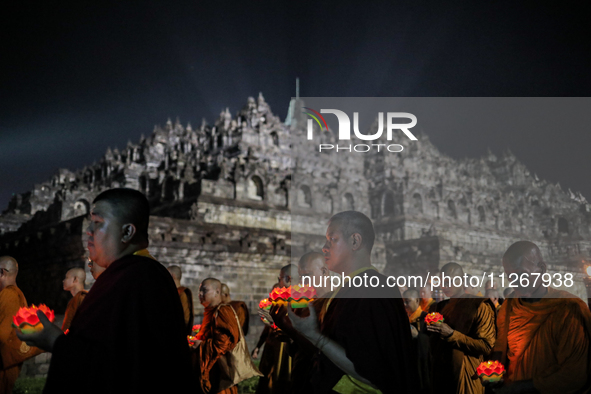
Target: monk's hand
(255, 353)
(413, 331)
(279, 316)
(441, 329)
(307, 326)
(265, 315)
(44, 339)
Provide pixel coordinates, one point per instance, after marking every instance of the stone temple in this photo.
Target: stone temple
(235, 200)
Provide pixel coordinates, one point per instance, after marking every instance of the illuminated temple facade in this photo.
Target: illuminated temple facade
(234, 199)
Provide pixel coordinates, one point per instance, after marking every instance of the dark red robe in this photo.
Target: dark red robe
(128, 335)
(372, 325)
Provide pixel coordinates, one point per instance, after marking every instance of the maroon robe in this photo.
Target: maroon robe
(128, 335)
(372, 325)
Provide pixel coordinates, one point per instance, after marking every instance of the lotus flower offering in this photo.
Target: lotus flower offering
(27, 321)
(434, 318)
(490, 371)
(196, 329)
(265, 304)
(301, 295)
(279, 296)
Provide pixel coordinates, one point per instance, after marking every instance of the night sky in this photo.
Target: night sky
(78, 78)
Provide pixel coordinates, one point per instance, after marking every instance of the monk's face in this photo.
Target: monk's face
(524, 267)
(337, 249)
(209, 295)
(104, 234)
(68, 282)
(411, 305)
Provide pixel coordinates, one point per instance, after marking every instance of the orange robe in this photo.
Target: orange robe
(219, 335)
(243, 314)
(72, 308)
(12, 351)
(456, 358)
(425, 305)
(548, 342)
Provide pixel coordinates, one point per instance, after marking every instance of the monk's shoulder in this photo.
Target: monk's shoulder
(226, 315)
(11, 295)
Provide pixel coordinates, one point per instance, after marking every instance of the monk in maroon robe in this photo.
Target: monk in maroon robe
(363, 339)
(129, 331)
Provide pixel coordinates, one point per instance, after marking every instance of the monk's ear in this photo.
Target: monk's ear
(542, 267)
(128, 232)
(356, 241)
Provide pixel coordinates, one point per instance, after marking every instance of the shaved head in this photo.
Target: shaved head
(312, 259)
(285, 275)
(411, 293)
(524, 259)
(175, 271)
(451, 270)
(312, 265)
(78, 273)
(210, 293)
(9, 264)
(225, 291)
(8, 271)
(520, 252)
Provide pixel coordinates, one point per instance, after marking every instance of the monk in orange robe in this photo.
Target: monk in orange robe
(465, 338)
(219, 334)
(12, 351)
(240, 308)
(544, 333)
(186, 297)
(74, 283)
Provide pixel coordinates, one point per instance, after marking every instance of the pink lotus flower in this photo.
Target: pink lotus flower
(280, 294)
(488, 368)
(265, 304)
(299, 292)
(27, 321)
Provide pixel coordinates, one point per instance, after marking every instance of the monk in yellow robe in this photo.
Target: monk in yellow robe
(219, 334)
(465, 338)
(74, 283)
(13, 352)
(544, 334)
(186, 297)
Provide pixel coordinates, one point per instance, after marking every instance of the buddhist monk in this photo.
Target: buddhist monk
(185, 295)
(544, 333)
(276, 362)
(467, 335)
(239, 307)
(426, 298)
(130, 328)
(13, 352)
(416, 318)
(313, 266)
(219, 334)
(95, 269)
(363, 341)
(74, 283)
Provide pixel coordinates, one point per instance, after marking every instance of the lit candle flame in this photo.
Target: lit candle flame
(588, 270)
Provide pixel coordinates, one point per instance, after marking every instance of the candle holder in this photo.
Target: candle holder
(490, 371)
